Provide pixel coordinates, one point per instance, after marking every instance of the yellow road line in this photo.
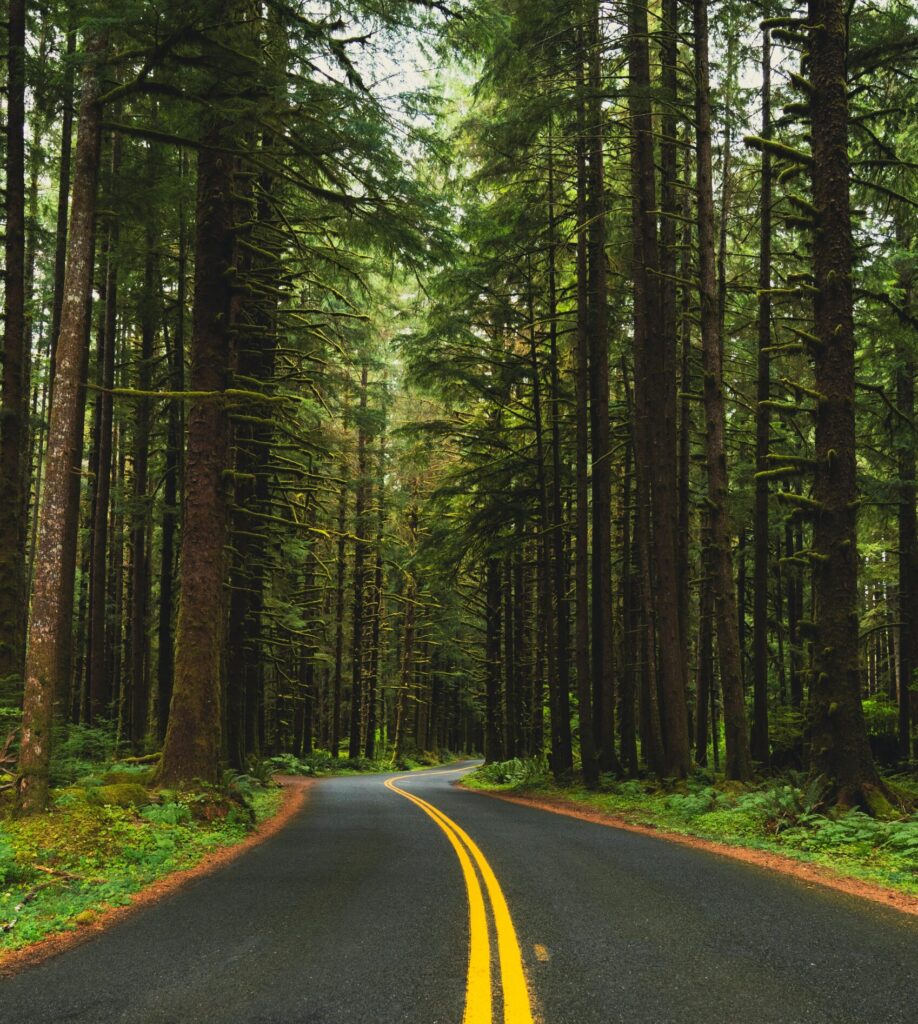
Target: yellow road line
(517, 1007)
(478, 980)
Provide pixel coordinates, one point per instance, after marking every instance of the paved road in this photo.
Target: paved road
(358, 913)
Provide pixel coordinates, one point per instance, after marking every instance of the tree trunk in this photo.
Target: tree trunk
(655, 409)
(705, 650)
(838, 737)
(759, 745)
(626, 716)
(360, 548)
(908, 546)
(493, 750)
(14, 427)
(140, 517)
(602, 651)
(738, 762)
(99, 682)
(46, 636)
(376, 636)
(308, 649)
(559, 716)
(588, 758)
(171, 479)
(339, 621)
(193, 736)
(559, 559)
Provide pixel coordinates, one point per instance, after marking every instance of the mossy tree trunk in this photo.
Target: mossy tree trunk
(838, 733)
(193, 737)
(738, 760)
(760, 573)
(588, 759)
(14, 429)
(493, 745)
(360, 553)
(655, 415)
(47, 629)
(600, 437)
(98, 683)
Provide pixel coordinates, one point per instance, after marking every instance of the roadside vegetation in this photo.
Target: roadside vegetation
(110, 832)
(788, 814)
(321, 763)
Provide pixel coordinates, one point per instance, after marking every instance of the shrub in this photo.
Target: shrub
(121, 794)
(525, 771)
(79, 750)
(169, 813)
(7, 859)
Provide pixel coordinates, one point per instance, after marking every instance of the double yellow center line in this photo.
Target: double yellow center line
(478, 999)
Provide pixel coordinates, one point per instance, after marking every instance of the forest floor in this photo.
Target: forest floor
(780, 823)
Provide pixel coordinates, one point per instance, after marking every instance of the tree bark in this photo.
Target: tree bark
(838, 733)
(494, 748)
(14, 397)
(600, 440)
(99, 682)
(908, 544)
(559, 558)
(759, 744)
(583, 664)
(46, 635)
(193, 736)
(360, 549)
(140, 513)
(738, 760)
(655, 412)
(339, 621)
(172, 476)
(376, 635)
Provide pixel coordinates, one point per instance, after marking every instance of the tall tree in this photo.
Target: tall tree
(838, 733)
(57, 515)
(193, 737)
(738, 763)
(14, 396)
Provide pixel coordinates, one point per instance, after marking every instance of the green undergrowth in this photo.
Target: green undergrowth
(322, 763)
(109, 833)
(785, 815)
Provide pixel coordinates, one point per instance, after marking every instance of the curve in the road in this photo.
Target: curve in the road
(478, 1007)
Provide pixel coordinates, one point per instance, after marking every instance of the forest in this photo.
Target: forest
(532, 379)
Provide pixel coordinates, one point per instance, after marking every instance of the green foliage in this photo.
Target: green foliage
(882, 717)
(121, 794)
(168, 813)
(79, 750)
(321, 762)
(517, 772)
(7, 858)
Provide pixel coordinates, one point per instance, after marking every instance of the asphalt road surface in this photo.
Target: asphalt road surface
(404, 900)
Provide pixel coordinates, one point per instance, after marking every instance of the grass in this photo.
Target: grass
(785, 815)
